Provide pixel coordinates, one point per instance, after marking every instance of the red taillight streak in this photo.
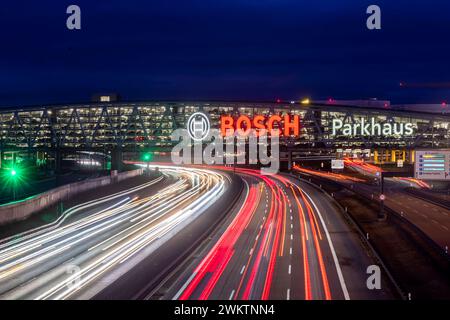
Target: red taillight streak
(307, 279)
(253, 250)
(310, 210)
(224, 259)
(283, 233)
(255, 205)
(226, 242)
(263, 245)
(323, 272)
(273, 255)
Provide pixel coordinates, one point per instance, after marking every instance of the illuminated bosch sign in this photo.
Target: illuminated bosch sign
(281, 125)
(371, 127)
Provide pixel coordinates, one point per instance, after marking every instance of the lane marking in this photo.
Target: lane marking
(290, 251)
(189, 280)
(178, 294)
(231, 295)
(288, 294)
(290, 269)
(242, 270)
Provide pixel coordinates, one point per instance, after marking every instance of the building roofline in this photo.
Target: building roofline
(282, 104)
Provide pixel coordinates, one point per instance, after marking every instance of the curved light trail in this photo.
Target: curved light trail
(112, 231)
(277, 238)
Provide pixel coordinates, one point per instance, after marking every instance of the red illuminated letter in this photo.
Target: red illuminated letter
(226, 126)
(247, 124)
(273, 119)
(288, 125)
(258, 123)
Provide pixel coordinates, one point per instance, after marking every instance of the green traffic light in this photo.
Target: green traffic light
(13, 172)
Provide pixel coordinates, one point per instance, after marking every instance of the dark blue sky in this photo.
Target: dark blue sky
(223, 49)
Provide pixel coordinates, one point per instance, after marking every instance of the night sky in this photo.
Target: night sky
(224, 49)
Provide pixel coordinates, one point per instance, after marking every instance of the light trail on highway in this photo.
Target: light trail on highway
(328, 175)
(276, 247)
(116, 230)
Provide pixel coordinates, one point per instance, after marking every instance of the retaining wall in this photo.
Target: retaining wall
(23, 209)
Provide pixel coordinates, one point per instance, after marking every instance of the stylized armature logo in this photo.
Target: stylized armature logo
(245, 145)
(198, 126)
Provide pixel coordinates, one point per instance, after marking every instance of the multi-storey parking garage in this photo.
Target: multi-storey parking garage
(133, 127)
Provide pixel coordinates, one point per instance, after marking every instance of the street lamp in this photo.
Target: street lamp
(14, 176)
(147, 157)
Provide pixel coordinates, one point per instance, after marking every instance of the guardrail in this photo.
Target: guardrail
(441, 251)
(363, 236)
(23, 209)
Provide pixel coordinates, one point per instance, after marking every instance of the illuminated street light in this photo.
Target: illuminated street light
(14, 176)
(147, 157)
(306, 101)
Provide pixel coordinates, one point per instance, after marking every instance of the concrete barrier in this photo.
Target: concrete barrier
(21, 210)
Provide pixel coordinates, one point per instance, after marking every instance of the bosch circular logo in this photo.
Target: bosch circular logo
(198, 126)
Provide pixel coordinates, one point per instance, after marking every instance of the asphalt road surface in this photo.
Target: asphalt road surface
(77, 258)
(432, 219)
(283, 240)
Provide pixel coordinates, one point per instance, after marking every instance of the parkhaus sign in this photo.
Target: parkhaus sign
(371, 127)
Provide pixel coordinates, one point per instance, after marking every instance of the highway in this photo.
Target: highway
(283, 240)
(95, 243)
(431, 218)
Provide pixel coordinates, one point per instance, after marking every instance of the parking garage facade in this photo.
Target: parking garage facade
(119, 128)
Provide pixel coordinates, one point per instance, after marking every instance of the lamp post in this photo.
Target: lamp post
(13, 175)
(147, 158)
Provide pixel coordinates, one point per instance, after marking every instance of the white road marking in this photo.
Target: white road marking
(288, 294)
(290, 269)
(231, 295)
(333, 252)
(242, 270)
